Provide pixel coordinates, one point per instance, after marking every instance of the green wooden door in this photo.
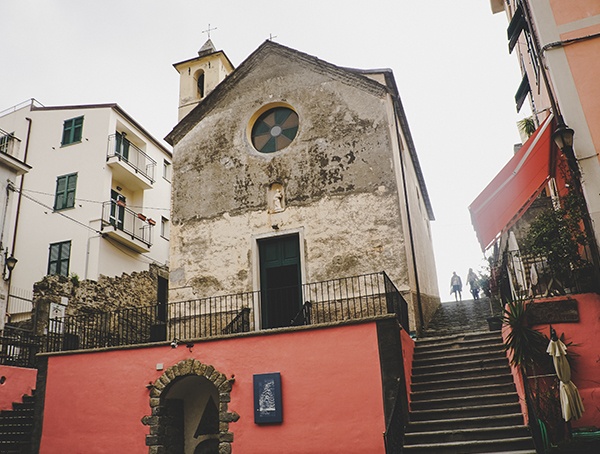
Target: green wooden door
(280, 280)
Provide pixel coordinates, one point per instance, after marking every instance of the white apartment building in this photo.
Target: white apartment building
(95, 202)
(10, 169)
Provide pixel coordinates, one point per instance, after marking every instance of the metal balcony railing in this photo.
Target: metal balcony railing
(526, 275)
(125, 151)
(9, 144)
(121, 218)
(325, 302)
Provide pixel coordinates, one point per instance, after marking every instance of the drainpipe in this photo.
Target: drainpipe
(19, 197)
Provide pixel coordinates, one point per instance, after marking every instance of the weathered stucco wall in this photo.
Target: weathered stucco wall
(337, 176)
(339, 179)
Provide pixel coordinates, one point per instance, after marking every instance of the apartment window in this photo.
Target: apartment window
(167, 170)
(65, 191)
(164, 227)
(58, 258)
(72, 130)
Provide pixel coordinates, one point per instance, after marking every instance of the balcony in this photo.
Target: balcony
(130, 165)
(126, 226)
(327, 302)
(9, 144)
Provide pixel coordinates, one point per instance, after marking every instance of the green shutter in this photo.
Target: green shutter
(65, 191)
(72, 130)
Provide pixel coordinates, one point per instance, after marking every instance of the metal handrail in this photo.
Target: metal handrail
(132, 223)
(137, 159)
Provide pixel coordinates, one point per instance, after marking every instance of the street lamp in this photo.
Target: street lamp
(9, 265)
(563, 136)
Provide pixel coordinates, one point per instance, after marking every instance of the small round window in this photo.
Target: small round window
(275, 129)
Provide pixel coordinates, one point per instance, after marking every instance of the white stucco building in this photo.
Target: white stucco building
(96, 200)
(10, 168)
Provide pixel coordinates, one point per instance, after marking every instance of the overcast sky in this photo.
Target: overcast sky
(455, 76)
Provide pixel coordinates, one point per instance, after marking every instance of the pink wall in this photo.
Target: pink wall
(17, 381)
(331, 384)
(408, 351)
(584, 355)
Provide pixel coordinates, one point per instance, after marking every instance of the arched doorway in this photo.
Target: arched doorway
(189, 410)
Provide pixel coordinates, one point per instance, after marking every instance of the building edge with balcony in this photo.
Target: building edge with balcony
(118, 160)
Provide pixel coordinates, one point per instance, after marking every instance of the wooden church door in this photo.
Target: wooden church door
(280, 280)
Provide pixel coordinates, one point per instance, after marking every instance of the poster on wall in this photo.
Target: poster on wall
(267, 398)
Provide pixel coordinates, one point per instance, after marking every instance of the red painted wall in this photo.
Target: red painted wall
(17, 381)
(331, 385)
(584, 355)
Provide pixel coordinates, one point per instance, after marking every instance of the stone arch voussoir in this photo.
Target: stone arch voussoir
(187, 367)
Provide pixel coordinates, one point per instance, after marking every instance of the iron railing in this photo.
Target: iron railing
(9, 144)
(525, 275)
(18, 347)
(324, 302)
(128, 221)
(127, 152)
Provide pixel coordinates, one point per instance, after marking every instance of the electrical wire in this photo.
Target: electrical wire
(102, 234)
(93, 201)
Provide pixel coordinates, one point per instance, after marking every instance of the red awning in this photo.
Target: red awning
(514, 188)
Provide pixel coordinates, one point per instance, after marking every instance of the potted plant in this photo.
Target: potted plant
(141, 217)
(151, 221)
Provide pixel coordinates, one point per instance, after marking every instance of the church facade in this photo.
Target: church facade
(290, 171)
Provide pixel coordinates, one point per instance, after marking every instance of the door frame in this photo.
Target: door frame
(255, 266)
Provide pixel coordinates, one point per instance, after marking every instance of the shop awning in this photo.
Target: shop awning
(514, 188)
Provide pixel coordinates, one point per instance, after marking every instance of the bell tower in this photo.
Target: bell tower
(200, 75)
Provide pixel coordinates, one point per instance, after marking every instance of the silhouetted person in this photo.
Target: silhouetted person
(473, 282)
(456, 286)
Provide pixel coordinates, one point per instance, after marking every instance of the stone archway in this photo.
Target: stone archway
(157, 440)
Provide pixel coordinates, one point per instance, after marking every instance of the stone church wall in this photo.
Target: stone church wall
(337, 178)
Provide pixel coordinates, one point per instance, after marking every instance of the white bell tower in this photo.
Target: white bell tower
(200, 75)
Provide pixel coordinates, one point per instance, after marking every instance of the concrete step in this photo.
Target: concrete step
(468, 390)
(463, 364)
(461, 374)
(425, 346)
(470, 411)
(472, 337)
(510, 419)
(455, 348)
(468, 434)
(460, 355)
(513, 444)
(465, 401)
(478, 380)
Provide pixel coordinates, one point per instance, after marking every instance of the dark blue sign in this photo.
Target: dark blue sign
(267, 398)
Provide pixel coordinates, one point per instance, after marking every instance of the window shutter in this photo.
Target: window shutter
(77, 129)
(61, 187)
(71, 185)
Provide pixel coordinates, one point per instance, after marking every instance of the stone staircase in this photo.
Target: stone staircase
(16, 427)
(463, 398)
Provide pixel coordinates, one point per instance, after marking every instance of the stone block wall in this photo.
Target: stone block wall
(89, 297)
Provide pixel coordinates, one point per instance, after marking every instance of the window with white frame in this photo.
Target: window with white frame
(167, 170)
(164, 227)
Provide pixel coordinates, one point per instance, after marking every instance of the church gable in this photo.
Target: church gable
(341, 143)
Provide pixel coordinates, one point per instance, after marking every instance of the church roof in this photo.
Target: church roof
(355, 77)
